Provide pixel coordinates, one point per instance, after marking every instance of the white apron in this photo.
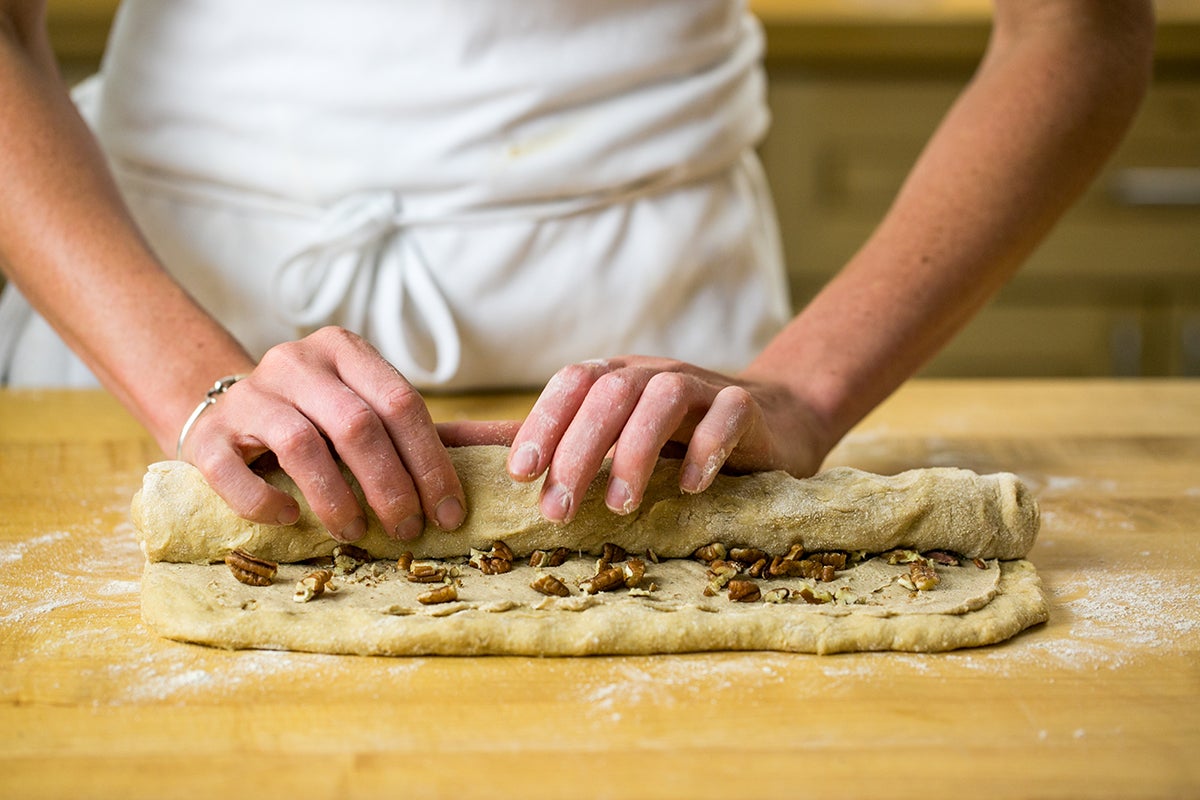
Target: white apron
(486, 190)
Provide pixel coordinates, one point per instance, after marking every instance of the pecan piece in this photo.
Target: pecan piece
(779, 594)
(404, 562)
(501, 550)
(549, 585)
(942, 557)
(720, 573)
(312, 585)
(348, 557)
(747, 555)
(711, 552)
(604, 581)
(633, 571)
(612, 553)
(442, 594)
(744, 591)
(923, 575)
(425, 572)
(549, 558)
(814, 595)
(251, 570)
(495, 566)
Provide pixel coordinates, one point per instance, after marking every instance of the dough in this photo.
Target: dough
(184, 527)
(990, 516)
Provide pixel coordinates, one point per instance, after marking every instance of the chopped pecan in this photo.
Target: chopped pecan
(779, 594)
(757, 568)
(612, 553)
(744, 591)
(833, 558)
(442, 594)
(404, 561)
(549, 585)
(549, 558)
(942, 557)
(604, 581)
(979, 562)
(495, 566)
(348, 557)
(747, 555)
(814, 595)
(633, 570)
(251, 570)
(500, 549)
(720, 573)
(651, 556)
(923, 575)
(312, 585)
(901, 556)
(425, 572)
(714, 551)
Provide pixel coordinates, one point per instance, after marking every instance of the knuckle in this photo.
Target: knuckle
(667, 387)
(401, 402)
(294, 439)
(358, 422)
(614, 384)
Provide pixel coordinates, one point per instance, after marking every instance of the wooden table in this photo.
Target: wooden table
(1104, 700)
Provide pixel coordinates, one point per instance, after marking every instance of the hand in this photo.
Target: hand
(329, 390)
(634, 406)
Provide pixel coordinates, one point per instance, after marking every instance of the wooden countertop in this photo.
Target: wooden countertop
(1104, 700)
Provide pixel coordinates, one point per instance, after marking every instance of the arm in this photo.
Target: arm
(1056, 91)
(1054, 94)
(69, 244)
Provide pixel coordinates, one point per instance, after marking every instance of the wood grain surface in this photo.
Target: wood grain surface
(1102, 701)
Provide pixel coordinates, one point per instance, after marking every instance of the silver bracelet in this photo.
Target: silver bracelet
(210, 398)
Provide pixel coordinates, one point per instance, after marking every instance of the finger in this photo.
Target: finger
(409, 432)
(668, 401)
(247, 494)
(304, 454)
(363, 443)
(588, 438)
(534, 445)
(733, 412)
(222, 455)
(464, 433)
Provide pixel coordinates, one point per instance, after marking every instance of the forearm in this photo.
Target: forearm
(69, 244)
(1053, 96)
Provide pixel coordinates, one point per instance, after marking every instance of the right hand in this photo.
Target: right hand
(310, 402)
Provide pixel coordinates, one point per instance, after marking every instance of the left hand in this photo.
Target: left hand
(633, 406)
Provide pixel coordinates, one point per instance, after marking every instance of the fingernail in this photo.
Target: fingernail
(355, 530)
(691, 478)
(410, 528)
(449, 514)
(289, 514)
(556, 505)
(619, 497)
(524, 461)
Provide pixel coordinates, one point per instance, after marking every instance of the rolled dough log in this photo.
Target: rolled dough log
(180, 519)
(184, 527)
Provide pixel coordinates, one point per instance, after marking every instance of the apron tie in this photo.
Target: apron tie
(358, 270)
